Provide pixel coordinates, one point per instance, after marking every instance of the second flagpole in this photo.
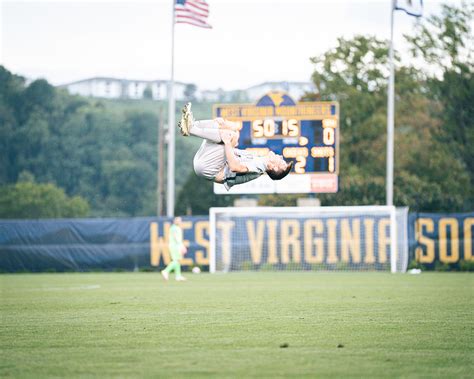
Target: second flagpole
(390, 143)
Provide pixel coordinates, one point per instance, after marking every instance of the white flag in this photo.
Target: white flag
(411, 7)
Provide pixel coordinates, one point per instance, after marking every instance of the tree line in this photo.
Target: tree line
(102, 156)
(434, 121)
(69, 156)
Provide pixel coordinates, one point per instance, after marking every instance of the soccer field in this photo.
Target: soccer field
(237, 325)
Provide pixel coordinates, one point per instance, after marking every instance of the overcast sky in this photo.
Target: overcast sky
(252, 41)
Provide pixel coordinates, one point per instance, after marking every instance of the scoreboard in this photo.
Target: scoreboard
(306, 133)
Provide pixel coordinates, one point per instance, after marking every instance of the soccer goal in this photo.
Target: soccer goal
(356, 238)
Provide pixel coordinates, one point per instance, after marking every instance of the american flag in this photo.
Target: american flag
(194, 12)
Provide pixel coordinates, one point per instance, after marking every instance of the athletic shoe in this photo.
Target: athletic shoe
(187, 120)
(181, 279)
(166, 276)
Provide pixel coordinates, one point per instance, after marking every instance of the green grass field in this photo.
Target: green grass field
(234, 325)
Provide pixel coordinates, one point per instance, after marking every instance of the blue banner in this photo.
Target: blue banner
(96, 244)
(138, 243)
(441, 238)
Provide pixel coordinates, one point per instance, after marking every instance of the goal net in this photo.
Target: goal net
(355, 238)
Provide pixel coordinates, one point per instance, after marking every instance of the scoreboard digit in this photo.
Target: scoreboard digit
(306, 133)
(270, 128)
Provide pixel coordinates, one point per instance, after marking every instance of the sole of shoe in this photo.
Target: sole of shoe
(186, 119)
(182, 129)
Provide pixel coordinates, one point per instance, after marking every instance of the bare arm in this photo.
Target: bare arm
(220, 177)
(232, 161)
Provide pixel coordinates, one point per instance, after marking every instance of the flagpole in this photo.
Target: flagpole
(390, 116)
(171, 128)
(390, 138)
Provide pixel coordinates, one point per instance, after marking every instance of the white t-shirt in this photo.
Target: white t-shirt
(256, 167)
(253, 162)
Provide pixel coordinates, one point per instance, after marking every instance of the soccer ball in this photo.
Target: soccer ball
(196, 270)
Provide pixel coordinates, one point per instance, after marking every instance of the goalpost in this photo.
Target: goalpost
(355, 238)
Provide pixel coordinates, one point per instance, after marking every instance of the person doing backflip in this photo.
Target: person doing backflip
(220, 161)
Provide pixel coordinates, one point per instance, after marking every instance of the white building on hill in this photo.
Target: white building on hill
(113, 88)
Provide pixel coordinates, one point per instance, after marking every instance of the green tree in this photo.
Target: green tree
(127, 182)
(10, 88)
(197, 196)
(31, 200)
(148, 93)
(444, 44)
(107, 156)
(445, 41)
(355, 74)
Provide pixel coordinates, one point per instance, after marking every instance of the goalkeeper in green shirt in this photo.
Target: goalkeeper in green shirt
(177, 250)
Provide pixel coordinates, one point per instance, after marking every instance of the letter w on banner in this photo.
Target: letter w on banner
(194, 12)
(411, 7)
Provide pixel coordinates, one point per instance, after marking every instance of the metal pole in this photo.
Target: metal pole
(161, 165)
(171, 128)
(390, 116)
(390, 139)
